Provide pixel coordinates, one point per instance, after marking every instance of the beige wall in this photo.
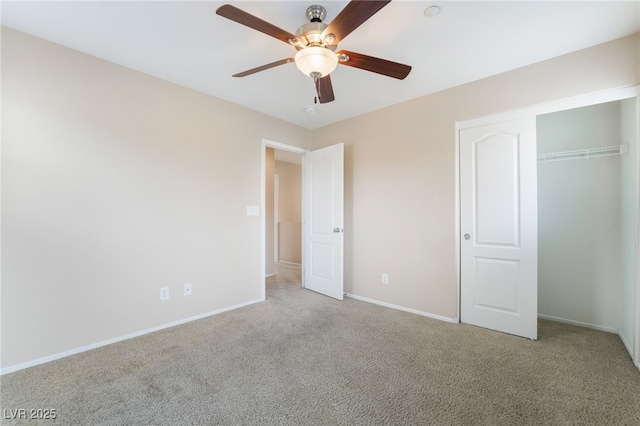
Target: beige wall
(289, 211)
(400, 179)
(269, 211)
(115, 184)
(289, 192)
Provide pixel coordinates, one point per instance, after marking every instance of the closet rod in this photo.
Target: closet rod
(583, 153)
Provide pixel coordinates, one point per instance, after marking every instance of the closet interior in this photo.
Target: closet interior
(588, 217)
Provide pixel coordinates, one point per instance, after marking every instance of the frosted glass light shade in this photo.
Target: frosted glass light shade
(316, 59)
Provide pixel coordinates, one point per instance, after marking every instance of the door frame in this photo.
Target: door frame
(540, 109)
(266, 143)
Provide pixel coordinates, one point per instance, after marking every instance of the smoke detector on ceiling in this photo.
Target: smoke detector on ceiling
(432, 11)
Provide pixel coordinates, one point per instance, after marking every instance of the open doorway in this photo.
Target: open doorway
(282, 207)
(322, 217)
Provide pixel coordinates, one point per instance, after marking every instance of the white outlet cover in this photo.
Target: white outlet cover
(253, 211)
(164, 293)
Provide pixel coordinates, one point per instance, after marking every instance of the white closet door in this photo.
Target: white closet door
(498, 212)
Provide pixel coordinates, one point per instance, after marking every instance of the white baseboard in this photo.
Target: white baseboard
(289, 263)
(626, 344)
(402, 308)
(270, 275)
(578, 323)
(75, 351)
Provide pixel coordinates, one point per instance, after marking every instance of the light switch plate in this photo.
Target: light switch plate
(253, 211)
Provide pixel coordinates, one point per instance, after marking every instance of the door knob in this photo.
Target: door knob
(336, 230)
(467, 236)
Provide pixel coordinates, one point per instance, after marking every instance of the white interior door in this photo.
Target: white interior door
(323, 233)
(499, 227)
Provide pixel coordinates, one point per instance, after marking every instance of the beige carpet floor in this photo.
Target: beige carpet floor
(304, 359)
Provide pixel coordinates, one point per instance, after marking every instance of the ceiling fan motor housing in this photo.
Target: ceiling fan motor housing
(311, 33)
(316, 13)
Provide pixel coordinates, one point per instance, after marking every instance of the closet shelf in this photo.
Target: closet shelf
(583, 153)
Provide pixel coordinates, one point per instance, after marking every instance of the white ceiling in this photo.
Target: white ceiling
(188, 44)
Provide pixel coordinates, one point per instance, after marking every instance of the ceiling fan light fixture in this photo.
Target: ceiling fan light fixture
(296, 42)
(316, 59)
(329, 39)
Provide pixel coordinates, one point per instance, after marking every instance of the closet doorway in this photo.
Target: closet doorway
(587, 217)
(587, 196)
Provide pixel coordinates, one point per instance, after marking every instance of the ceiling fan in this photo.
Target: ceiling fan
(316, 43)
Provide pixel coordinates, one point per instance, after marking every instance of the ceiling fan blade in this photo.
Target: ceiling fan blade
(263, 67)
(324, 88)
(377, 65)
(352, 16)
(240, 16)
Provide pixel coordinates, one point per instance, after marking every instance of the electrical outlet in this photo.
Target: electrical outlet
(164, 293)
(187, 289)
(385, 279)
